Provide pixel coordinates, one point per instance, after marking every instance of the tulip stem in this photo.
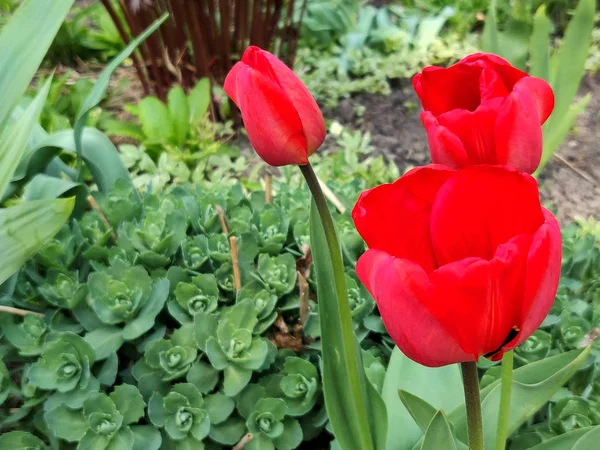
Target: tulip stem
(473, 405)
(503, 413)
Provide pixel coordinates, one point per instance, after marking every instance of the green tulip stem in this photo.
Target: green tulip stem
(473, 404)
(503, 413)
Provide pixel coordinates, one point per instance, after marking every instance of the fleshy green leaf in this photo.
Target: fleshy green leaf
(573, 440)
(65, 423)
(439, 434)
(179, 111)
(145, 438)
(129, 402)
(105, 341)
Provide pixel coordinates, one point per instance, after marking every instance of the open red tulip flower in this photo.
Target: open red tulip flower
(482, 110)
(282, 119)
(462, 264)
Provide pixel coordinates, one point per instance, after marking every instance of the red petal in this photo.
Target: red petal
(401, 289)
(540, 93)
(518, 130)
(479, 301)
(395, 217)
(442, 90)
(480, 208)
(230, 85)
(475, 129)
(445, 146)
(543, 274)
(509, 74)
(272, 123)
(303, 101)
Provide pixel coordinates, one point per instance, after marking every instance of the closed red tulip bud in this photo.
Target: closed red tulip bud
(482, 110)
(282, 119)
(462, 264)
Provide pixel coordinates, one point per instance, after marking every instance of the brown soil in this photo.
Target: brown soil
(570, 183)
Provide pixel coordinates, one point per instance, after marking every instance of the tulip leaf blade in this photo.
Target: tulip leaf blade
(439, 387)
(438, 434)
(533, 385)
(491, 38)
(539, 45)
(569, 64)
(578, 439)
(356, 410)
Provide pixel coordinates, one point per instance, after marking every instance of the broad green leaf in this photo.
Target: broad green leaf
(45, 187)
(440, 387)
(147, 315)
(572, 440)
(357, 412)
(219, 407)
(65, 423)
(514, 42)
(179, 111)
(533, 385)
(13, 139)
(99, 153)
(439, 434)
(490, 42)
(539, 45)
(156, 121)
(145, 437)
(553, 137)
(105, 341)
(107, 374)
(570, 66)
(26, 227)
(20, 440)
(421, 411)
(199, 100)
(129, 402)
(229, 432)
(101, 85)
(24, 41)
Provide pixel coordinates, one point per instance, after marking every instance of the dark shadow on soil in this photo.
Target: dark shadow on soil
(570, 187)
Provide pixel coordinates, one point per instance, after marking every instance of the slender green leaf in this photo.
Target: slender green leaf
(539, 45)
(26, 227)
(553, 137)
(351, 405)
(491, 36)
(179, 112)
(99, 90)
(45, 187)
(573, 440)
(440, 387)
(570, 66)
(421, 411)
(13, 139)
(199, 100)
(439, 434)
(24, 41)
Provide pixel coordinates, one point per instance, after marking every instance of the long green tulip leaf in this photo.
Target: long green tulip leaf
(13, 139)
(24, 41)
(356, 410)
(26, 227)
(491, 37)
(439, 387)
(99, 90)
(438, 434)
(581, 439)
(539, 45)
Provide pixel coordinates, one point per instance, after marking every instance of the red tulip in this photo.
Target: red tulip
(461, 263)
(484, 111)
(283, 122)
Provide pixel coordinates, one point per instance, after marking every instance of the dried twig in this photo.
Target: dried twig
(575, 169)
(240, 445)
(18, 312)
(331, 197)
(94, 204)
(222, 219)
(304, 306)
(269, 188)
(237, 280)
(589, 338)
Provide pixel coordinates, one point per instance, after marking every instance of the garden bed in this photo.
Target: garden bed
(569, 183)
